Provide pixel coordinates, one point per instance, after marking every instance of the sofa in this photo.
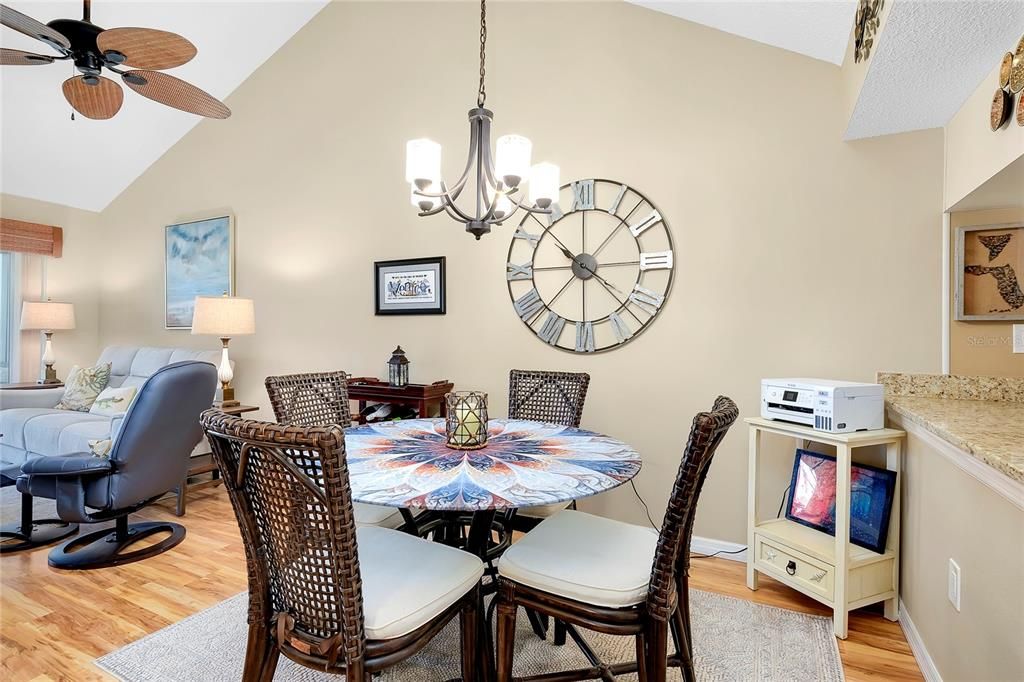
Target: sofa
(31, 427)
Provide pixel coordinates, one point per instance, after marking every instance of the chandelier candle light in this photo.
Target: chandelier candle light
(465, 420)
(498, 190)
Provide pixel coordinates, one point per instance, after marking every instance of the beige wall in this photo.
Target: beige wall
(973, 152)
(74, 277)
(943, 511)
(797, 254)
(981, 348)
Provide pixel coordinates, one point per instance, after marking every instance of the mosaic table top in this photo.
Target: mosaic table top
(524, 464)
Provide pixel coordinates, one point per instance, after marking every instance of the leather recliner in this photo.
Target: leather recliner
(149, 458)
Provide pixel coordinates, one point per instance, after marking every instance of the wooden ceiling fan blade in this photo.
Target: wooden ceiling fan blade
(146, 48)
(174, 92)
(9, 57)
(23, 23)
(100, 101)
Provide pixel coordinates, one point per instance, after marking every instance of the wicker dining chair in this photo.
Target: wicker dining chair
(321, 399)
(553, 397)
(324, 593)
(598, 573)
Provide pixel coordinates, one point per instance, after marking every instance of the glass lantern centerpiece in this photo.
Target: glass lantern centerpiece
(398, 369)
(466, 420)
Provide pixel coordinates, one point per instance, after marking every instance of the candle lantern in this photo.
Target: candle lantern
(398, 368)
(466, 420)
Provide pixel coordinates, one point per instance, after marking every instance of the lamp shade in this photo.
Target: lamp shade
(223, 316)
(48, 315)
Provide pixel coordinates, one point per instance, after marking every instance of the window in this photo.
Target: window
(8, 316)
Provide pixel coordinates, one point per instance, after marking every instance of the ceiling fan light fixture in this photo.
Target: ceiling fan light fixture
(114, 57)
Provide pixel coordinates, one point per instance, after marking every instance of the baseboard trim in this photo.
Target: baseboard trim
(921, 655)
(699, 545)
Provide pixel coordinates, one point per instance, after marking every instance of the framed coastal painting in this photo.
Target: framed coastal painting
(199, 260)
(414, 286)
(989, 272)
(812, 498)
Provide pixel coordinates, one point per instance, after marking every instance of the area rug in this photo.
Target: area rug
(734, 639)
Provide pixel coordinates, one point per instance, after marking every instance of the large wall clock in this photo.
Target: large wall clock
(596, 272)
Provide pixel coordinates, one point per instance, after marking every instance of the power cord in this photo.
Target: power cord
(647, 511)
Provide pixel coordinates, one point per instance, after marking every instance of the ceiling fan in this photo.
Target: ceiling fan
(143, 50)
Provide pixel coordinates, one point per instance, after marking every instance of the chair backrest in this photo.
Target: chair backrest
(161, 427)
(289, 488)
(553, 397)
(132, 365)
(673, 551)
(315, 399)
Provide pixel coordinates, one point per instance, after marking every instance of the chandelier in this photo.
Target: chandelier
(498, 183)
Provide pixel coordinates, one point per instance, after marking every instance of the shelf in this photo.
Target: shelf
(855, 439)
(816, 544)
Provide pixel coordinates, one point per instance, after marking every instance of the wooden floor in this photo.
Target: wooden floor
(53, 624)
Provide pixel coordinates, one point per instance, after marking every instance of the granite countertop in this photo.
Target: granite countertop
(983, 416)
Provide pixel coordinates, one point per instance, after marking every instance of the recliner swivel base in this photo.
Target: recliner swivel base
(104, 548)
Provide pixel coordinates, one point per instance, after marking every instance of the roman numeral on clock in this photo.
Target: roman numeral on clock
(517, 272)
(621, 330)
(650, 221)
(647, 300)
(655, 260)
(532, 239)
(584, 337)
(582, 195)
(555, 215)
(552, 328)
(618, 200)
(528, 305)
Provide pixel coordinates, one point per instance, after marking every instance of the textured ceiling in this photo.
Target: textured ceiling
(816, 28)
(85, 163)
(931, 56)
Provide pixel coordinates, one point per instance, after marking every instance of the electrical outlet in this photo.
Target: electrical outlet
(1018, 338)
(954, 584)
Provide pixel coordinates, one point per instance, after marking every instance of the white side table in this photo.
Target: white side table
(830, 570)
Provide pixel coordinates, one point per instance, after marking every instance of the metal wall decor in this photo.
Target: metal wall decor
(1011, 82)
(594, 275)
(865, 27)
(498, 183)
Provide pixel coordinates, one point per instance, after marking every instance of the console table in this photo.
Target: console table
(828, 569)
(421, 396)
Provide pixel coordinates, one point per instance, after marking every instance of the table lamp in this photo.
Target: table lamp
(47, 316)
(224, 316)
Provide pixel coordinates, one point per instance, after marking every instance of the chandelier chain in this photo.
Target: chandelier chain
(481, 96)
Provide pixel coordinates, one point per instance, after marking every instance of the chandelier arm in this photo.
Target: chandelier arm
(456, 213)
(530, 209)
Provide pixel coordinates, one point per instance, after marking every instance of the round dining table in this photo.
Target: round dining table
(406, 464)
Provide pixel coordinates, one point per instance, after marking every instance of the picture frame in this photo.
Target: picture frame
(412, 286)
(812, 498)
(199, 260)
(989, 272)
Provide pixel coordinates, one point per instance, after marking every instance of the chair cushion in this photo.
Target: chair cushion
(408, 581)
(377, 515)
(584, 557)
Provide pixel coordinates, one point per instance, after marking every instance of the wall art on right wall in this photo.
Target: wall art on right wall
(989, 267)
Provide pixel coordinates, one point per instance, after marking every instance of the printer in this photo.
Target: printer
(824, 404)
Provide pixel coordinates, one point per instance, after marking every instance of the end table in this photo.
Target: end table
(205, 464)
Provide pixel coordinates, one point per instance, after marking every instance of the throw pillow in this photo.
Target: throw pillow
(112, 402)
(101, 448)
(82, 387)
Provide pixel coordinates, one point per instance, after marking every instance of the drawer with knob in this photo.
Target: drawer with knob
(794, 568)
